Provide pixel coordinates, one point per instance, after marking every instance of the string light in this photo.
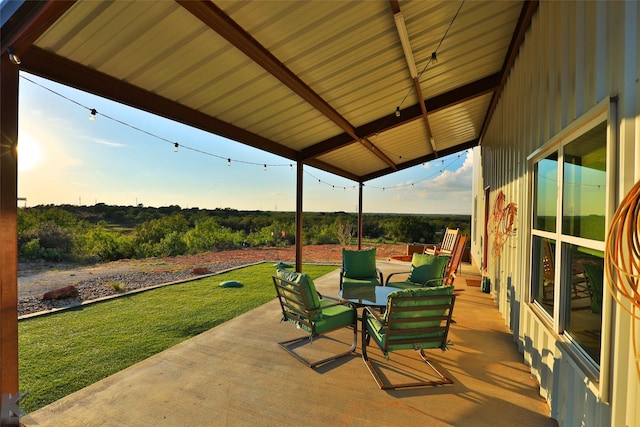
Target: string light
(15, 59)
(432, 59)
(93, 113)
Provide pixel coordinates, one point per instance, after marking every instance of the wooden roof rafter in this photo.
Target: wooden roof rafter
(221, 23)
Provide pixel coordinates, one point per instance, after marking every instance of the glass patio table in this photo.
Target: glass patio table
(367, 296)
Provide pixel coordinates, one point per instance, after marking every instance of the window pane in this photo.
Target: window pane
(546, 193)
(544, 272)
(583, 198)
(584, 296)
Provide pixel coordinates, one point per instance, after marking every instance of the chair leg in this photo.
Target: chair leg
(443, 379)
(286, 345)
(386, 386)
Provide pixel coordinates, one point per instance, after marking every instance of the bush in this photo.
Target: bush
(106, 245)
(31, 249)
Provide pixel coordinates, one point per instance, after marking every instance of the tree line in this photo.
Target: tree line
(105, 232)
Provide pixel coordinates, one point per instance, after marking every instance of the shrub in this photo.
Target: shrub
(117, 286)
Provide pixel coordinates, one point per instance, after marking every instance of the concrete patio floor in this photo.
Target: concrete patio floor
(237, 375)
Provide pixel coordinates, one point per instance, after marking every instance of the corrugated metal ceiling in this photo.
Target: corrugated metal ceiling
(317, 82)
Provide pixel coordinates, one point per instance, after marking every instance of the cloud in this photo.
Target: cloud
(107, 143)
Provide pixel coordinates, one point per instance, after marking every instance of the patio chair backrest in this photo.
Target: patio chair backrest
(449, 242)
(298, 298)
(456, 259)
(418, 318)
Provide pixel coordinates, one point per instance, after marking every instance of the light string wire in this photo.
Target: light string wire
(394, 187)
(229, 160)
(172, 143)
(433, 57)
(622, 261)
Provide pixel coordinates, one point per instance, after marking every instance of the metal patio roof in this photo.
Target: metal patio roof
(313, 81)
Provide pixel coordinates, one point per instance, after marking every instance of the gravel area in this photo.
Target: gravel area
(97, 281)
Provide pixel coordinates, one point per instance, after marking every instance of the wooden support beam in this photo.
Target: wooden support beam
(299, 188)
(360, 186)
(8, 234)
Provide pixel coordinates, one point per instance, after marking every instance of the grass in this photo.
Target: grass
(63, 352)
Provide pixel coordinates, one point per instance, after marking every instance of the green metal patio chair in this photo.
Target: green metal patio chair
(415, 319)
(302, 305)
(426, 270)
(359, 268)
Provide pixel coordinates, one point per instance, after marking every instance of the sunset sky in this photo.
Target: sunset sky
(126, 157)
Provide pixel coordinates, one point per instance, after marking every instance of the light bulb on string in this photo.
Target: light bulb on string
(175, 147)
(228, 162)
(290, 166)
(265, 167)
(397, 112)
(15, 59)
(92, 115)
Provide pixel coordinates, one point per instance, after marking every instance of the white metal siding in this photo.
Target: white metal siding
(574, 56)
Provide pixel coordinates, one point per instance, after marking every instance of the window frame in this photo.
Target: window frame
(603, 112)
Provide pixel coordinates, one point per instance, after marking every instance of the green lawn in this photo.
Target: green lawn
(66, 351)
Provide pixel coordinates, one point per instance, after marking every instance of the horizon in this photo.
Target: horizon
(140, 206)
(127, 157)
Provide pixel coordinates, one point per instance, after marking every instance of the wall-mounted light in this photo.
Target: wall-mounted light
(15, 59)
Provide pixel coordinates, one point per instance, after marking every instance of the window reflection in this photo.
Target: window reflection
(584, 298)
(544, 265)
(583, 195)
(546, 193)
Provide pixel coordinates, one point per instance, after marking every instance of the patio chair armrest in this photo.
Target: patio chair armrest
(433, 282)
(379, 271)
(393, 274)
(368, 311)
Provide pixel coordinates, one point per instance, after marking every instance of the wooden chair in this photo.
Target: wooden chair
(448, 245)
(301, 305)
(415, 319)
(454, 262)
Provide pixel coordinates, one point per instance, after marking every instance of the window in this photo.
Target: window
(568, 234)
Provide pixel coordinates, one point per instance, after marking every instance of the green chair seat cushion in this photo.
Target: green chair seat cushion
(329, 318)
(404, 285)
(333, 317)
(359, 264)
(426, 267)
(348, 282)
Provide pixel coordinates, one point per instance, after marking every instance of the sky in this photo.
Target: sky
(127, 157)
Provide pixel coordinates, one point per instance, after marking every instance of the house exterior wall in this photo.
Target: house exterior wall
(577, 59)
